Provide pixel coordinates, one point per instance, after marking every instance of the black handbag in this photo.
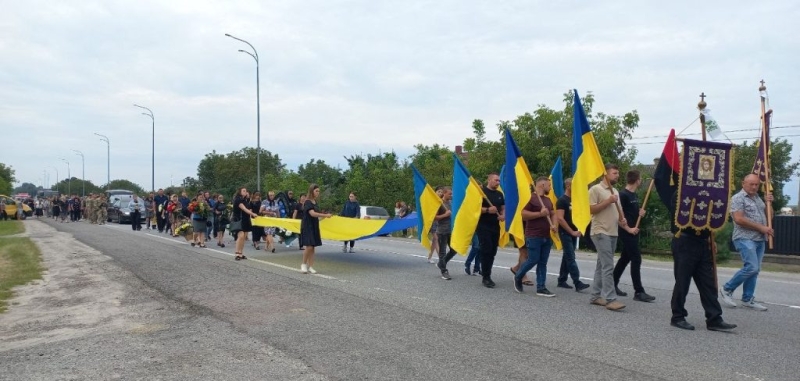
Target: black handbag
(235, 226)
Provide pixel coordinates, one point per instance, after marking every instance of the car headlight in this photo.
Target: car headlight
(125, 212)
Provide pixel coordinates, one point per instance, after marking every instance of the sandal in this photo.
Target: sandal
(193, 244)
(238, 256)
(202, 245)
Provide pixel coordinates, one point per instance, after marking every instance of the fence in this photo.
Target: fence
(787, 235)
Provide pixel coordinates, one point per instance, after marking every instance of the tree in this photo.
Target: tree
(782, 170)
(28, 188)
(378, 180)
(219, 174)
(7, 174)
(5, 187)
(435, 163)
(121, 184)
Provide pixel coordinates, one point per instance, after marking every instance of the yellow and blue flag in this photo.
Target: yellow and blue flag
(587, 165)
(466, 207)
(516, 181)
(428, 204)
(556, 191)
(503, 233)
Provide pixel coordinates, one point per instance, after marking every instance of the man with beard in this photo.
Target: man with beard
(538, 215)
(629, 235)
(606, 221)
(488, 230)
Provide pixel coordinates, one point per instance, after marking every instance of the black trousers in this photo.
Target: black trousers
(630, 254)
(446, 252)
(136, 220)
(693, 261)
(160, 222)
(488, 239)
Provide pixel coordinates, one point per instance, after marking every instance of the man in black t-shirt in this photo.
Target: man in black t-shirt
(630, 239)
(488, 230)
(569, 235)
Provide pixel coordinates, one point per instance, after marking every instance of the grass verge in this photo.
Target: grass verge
(735, 264)
(20, 263)
(11, 227)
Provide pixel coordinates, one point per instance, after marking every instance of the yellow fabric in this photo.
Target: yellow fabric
(428, 204)
(505, 237)
(335, 228)
(590, 166)
(466, 220)
(524, 182)
(554, 234)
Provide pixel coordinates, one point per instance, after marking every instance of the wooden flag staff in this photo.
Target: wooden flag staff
(711, 241)
(644, 204)
(765, 166)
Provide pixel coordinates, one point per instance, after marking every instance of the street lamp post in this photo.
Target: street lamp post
(258, 111)
(153, 156)
(108, 158)
(69, 177)
(83, 173)
(56, 177)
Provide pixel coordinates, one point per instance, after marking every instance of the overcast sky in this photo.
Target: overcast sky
(345, 77)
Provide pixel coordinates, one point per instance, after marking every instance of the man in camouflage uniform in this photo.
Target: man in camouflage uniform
(102, 211)
(90, 209)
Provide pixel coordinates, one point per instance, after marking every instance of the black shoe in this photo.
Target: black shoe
(721, 327)
(581, 286)
(620, 292)
(643, 297)
(545, 292)
(563, 285)
(518, 285)
(682, 324)
(488, 283)
(466, 270)
(446, 275)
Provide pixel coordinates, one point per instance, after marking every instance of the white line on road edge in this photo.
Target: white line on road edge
(249, 259)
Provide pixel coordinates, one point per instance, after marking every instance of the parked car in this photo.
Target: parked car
(11, 208)
(374, 213)
(118, 210)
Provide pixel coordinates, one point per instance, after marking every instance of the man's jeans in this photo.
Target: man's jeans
(752, 253)
(603, 285)
(474, 254)
(538, 254)
(568, 264)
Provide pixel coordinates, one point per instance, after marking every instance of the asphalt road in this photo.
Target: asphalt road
(384, 313)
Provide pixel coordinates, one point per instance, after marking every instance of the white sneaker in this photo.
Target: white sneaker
(756, 306)
(344, 248)
(311, 270)
(352, 251)
(304, 268)
(727, 298)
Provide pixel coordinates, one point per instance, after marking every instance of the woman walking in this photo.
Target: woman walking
(173, 214)
(200, 211)
(148, 210)
(258, 231)
(351, 210)
(297, 214)
(270, 208)
(240, 220)
(309, 228)
(220, 219)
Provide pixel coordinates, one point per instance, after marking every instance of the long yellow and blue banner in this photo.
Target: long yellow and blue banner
(342, 228)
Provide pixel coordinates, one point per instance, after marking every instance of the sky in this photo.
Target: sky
(346, 77)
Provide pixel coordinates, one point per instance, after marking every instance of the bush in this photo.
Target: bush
(723, 240)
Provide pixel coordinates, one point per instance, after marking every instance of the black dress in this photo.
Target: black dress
(239, 215)
(309, 227)
(258, 231)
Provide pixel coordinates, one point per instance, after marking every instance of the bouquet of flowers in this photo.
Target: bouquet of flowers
(200, 208)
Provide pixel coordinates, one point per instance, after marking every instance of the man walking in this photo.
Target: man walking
(488, 230)
(443, 232)
(136, 205)
(538, 214)
(605, 224)
(569, 235)
(630, 239)
(750, 232)
(351, 210)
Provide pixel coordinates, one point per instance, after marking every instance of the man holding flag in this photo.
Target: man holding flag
(605, 224)
(538, 215)
(488, 231)
(569, 235)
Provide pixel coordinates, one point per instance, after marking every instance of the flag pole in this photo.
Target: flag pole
(712, 241)
(644, 205)
(765, 165)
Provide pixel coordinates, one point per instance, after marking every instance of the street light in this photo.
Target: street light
(108, 143)
(258, 111)
(83, 172)
(69, 177)
(153, 157)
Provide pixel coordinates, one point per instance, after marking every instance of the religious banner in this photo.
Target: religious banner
(704, 188)
(712, 127)
(763, 153)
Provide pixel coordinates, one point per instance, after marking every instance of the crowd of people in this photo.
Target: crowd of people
(614, 216)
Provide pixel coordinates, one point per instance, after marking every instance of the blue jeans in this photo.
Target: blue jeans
(474, 254)
(752, 253)
(538, 254)
(568, 264)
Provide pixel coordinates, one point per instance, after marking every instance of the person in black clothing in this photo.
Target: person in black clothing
(692, 253)
(488, 230)
(629, 235)
(569, 234)
(220, 219)
(159, 208)
(351, 210)
(257, 231)
(241, 212)
(310, 237)
(297, 214)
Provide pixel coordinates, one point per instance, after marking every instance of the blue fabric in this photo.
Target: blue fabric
(538, 254)
(752, 253)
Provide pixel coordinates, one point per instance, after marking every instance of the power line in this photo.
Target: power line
(754, 137)
(698, 133)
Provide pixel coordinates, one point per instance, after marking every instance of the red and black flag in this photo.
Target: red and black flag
(667, 171)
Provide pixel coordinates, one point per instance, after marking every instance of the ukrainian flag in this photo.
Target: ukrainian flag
(516, 181)
(503, 233)
(466, 207)
(586, 163)
(428, 204)
(556, 191)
